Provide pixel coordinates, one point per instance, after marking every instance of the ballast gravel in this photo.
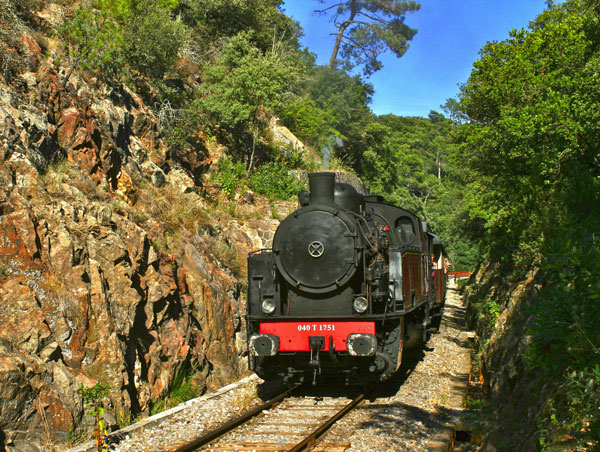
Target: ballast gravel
(410, 413)
(427, 397)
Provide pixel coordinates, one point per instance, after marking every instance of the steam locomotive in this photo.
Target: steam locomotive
(349, 283)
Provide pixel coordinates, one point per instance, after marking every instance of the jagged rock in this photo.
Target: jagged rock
(514, 388)
(79, 135)
(96, 282)
(194, 159)
(180, 179)
(247, 197)
(87, 294)
(283, 136)
(153, 172)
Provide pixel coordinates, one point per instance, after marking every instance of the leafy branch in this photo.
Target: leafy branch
(93, 399)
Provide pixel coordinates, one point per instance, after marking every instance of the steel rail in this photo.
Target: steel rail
(211, 436)
(311, 439)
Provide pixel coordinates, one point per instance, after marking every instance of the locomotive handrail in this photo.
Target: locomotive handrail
(260, 251)
(362, 233)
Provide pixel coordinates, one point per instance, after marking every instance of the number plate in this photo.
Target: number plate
(293, 336)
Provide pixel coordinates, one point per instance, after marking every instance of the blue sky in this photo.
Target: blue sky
(440, 57)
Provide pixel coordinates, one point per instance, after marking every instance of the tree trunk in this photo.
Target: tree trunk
(340, 34)
(251, 162)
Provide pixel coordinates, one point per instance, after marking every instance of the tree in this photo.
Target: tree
(243, 86)
(531, 169)
(345, 101)
(152, 38)
(262, 19)
(532, 123)
(366, 29)
(112, 37)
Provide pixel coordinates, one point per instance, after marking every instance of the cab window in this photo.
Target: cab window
(405, 231)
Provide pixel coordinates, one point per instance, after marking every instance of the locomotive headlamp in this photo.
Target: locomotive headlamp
(360, 304)
(268, 306)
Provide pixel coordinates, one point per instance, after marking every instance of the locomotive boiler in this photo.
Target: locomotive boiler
(347, 285)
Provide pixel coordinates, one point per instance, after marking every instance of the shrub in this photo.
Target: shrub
(187, 384)
(95, 40)
(152, 39)
(275, 181)
(307, 121)
(229, 176)
(565, 336)
(93, 399)
(111, 37)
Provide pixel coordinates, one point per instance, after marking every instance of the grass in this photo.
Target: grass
(275, 212)
(246, 396)
(177, 211)
(225, 254)
(188, 384)
(62, 171)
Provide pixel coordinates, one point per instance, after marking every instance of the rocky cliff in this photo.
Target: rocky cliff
(499, 308)
(117, 262)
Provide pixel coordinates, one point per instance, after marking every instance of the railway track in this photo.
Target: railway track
(408, 414)
(284, 424)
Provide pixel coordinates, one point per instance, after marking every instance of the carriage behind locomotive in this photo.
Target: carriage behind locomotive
(349, 283)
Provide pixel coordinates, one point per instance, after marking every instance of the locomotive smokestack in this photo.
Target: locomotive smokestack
(321, 188)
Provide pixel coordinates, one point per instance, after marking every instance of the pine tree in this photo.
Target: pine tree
(366, 29)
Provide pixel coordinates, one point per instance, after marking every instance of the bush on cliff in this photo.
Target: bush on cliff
(112, 38)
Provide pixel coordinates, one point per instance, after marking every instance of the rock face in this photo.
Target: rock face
(87, 293)
(284, 137)
(113, 267)
(110, 269)
(515, 392)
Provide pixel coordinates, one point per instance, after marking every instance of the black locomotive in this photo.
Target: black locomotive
(348, 284)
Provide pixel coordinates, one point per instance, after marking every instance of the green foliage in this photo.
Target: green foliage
(570, 302)
(367, 29)
(571, 416)
(565, 336)
(93, 399)
(410, 145)
(275, 181)
(407, 160)
(124, 10)
(243, 83)
(111, 38)
(241, 87)
(531, 123)
(261, 20)
(152, 38)
(531, 174)
(484, 312)
(476, 405)
(229, 176)
(345, 101)
(95, 41)
(307, 120)
(186, 385)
